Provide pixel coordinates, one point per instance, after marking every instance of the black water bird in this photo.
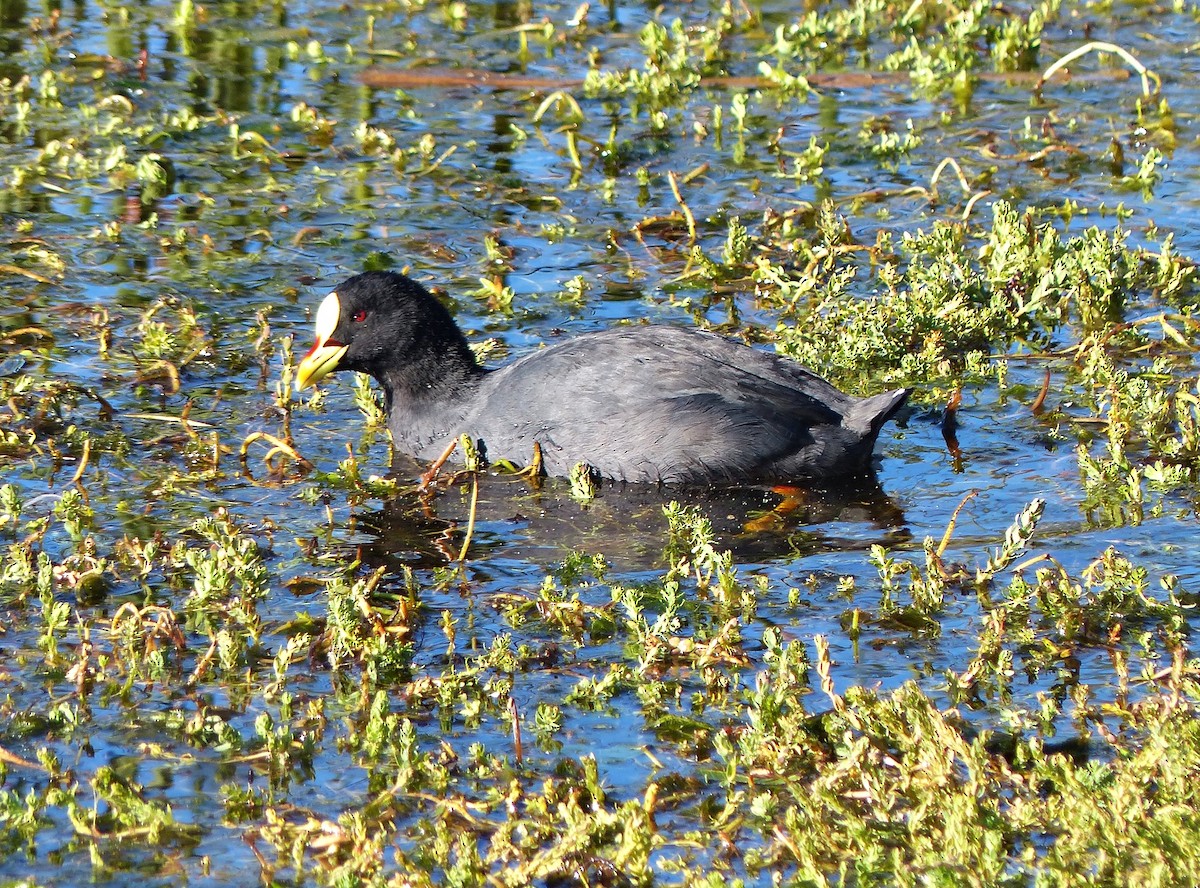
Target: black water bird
(643, 404)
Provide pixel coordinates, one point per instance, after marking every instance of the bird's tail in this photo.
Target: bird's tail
(870, 414)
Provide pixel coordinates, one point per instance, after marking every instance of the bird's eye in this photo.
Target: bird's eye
(359, 316)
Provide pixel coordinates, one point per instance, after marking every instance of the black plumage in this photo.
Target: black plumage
(652, 403)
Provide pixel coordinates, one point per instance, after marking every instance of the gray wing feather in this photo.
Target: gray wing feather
(663, 405)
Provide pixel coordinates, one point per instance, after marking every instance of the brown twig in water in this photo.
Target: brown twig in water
(11, 759)
(25, 272)
(83, 460)
(687, 212)
(278, 447)
(516, 726)
(953, 522)
(462, 554)
(396, 78)
(37, 332)
(430, 474)
(1039, 402)
(1100, 46)
(950, 423)
(443, 78)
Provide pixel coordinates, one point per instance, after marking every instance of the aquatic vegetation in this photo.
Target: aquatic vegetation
(239, 642)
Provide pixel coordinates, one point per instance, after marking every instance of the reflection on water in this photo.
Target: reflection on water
(625, 522)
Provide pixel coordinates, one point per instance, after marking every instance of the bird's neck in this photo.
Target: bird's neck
(442, 374)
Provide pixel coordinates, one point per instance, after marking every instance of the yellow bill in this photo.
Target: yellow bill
(325, 354)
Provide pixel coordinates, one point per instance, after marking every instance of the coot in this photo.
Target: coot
(649, 403)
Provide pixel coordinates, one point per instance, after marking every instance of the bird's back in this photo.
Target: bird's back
(667, 404)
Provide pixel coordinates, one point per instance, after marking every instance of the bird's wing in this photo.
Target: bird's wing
(670, 405)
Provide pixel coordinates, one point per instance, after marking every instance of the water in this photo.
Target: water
(272, 198)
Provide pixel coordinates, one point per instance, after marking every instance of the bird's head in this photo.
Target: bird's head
(384, 324)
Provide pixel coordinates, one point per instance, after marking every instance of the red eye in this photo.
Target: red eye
(359, 316)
